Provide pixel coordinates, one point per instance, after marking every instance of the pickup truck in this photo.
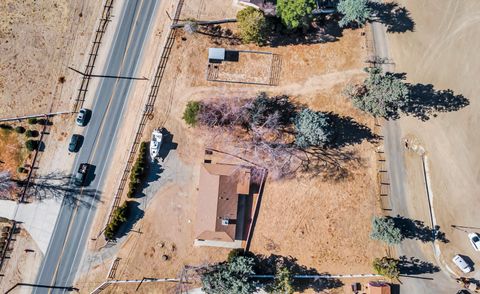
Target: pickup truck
(81, 174)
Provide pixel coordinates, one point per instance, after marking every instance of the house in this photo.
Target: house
(221, 205)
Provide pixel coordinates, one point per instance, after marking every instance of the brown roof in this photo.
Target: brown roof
(219, 187)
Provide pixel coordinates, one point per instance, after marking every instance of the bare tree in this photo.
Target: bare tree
(7, 184)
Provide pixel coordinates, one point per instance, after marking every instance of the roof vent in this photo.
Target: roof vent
(225, 222)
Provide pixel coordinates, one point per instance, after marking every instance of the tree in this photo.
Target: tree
(19, 129)
(282, 283)
(380, 95)
(191, 112)
(190, 27)
(32, 121)
(387, 267)
(31, 145)
(119, 216)
(252, 25)
(229, 277)
(312, 129)
(295, 13)
(354, 11)
(6, 184)
(384, 229)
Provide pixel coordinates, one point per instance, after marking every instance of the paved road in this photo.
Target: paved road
(68, 241)
(438, 282)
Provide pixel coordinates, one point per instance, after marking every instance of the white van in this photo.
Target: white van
(462, 264)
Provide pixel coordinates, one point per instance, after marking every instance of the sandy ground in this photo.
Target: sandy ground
(442, 52)
(15, 271)
(38, 40)
(331, 237)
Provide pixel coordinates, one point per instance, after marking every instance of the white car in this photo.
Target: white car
(475, 240)
(462, 264)
(81, 117)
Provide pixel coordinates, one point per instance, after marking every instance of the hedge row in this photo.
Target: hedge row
(120, 216)
(138, 170)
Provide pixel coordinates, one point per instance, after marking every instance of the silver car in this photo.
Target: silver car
(81, 117)
(475, 240)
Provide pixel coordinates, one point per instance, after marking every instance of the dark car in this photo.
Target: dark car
(75, 143)
(81, 175)
(82, 117)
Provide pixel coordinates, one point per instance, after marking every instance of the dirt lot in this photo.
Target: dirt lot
(442, 52)
(21, 260)
(38, 40)
(315, 220)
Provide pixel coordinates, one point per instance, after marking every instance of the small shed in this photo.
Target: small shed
(216, 55)
(378, 287)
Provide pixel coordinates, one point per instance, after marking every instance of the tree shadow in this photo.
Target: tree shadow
(349, 132)
(59, 186)
(323, 30)
(134, 214)
(425, 101)
(415, 266)
(396, 19)
(154, 170)
(268, 264)
(331, 164)
(218, 35)
(417, 230)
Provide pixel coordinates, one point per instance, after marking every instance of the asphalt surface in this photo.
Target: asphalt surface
(437, 282)
(68, 241)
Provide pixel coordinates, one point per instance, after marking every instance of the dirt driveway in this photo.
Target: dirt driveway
(443, 51)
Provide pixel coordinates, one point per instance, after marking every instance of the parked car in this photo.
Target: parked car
(462, 264)
(81, 117)
(75, 142)
(475, 240)
(81, 175)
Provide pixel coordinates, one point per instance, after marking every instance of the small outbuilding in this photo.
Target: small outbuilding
(216, 55)
(378, 287)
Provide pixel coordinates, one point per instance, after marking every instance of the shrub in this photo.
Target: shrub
(191, 112)
(252, 25)
(387, 267)
(119, 217)
(20, 129)
(31, 145)
(283, 281)
(20, 169)
(138, 170)
(384, 229)
(61, 79)
(313, 129)
(31, 133)
(32, 121)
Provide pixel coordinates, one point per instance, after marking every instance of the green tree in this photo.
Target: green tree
(20, 129)
(354, 11)
(119, 216)
(31, 145)
(387, 267)
(32, 120)
(191, 112)
(283, 282)
(229, 277)
(380, 94)
(252, 25)
(312, 129)
(295, 13)
(384, 229)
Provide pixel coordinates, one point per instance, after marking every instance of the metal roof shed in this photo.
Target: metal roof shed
(216, 54)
